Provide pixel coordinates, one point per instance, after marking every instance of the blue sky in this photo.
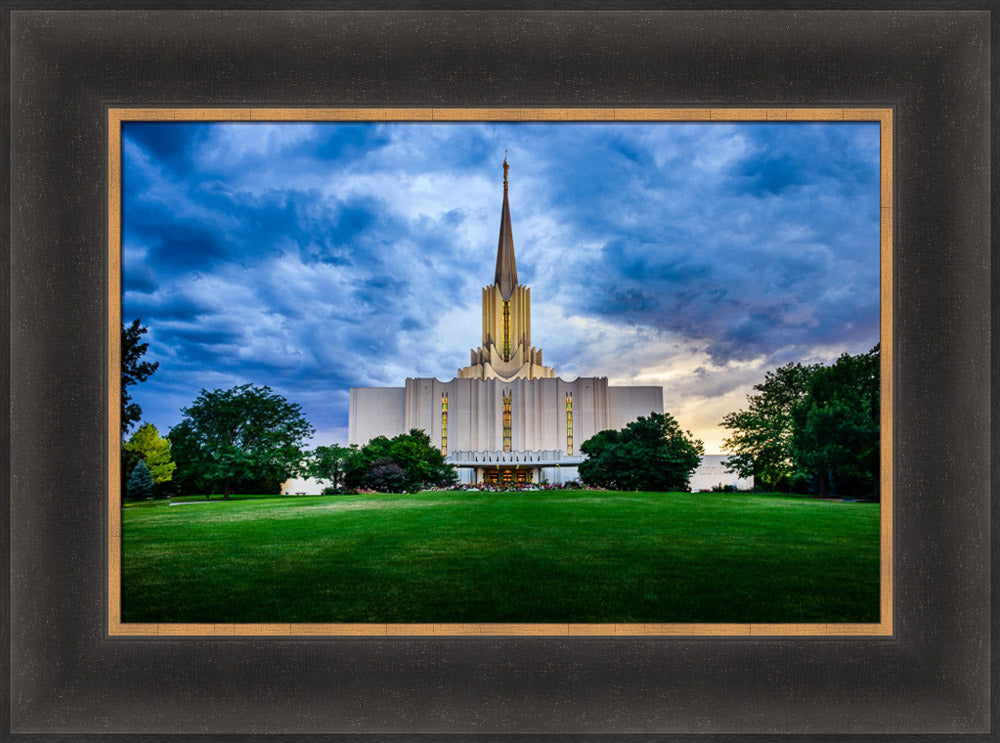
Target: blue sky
(315, 257)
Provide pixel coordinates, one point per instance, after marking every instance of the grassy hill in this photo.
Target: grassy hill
(556, 556)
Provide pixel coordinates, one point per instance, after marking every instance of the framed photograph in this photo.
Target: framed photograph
(374, 220)
(105, 107)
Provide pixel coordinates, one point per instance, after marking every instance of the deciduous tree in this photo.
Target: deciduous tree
(421, 463)
(836, 430)
(243, 433)
(329, 463)
(760, 444)
(386, 476)
(812, 424)
(148, 446)
(651, 453)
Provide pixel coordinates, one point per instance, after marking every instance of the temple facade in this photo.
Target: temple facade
(506, 417)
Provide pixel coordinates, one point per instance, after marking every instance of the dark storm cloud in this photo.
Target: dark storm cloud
(176, 246)
(315, 257)
(351, 142)
(138, 277)
(165, 305)
(778, 250)
(168, 144)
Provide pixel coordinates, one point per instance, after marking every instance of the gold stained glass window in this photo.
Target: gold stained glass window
(444, 424)
(506, 331)
(569, 422)
(506, 421)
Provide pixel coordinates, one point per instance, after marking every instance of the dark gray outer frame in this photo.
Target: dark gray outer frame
(932, 677)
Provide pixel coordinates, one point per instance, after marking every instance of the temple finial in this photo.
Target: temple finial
(506, 167)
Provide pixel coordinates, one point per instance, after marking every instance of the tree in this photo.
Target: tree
(140, 482)
(812, 424)
(651, 453)
(357, 463)
(421, 463)
(328, 463)
(148, 446)
(761, 445)
(134, 370)
(836, 429)
(607, 455)
(243, 433)
(188, 478)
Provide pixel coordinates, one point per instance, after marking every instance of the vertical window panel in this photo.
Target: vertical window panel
(569, 422)
(506, 331)
(506, 421)
(444, 424)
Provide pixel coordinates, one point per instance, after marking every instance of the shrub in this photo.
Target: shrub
(386, 476)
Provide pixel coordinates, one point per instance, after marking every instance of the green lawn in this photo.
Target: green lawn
(557, 556)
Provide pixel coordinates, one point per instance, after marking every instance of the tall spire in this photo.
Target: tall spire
(506, 273)
(506, 352)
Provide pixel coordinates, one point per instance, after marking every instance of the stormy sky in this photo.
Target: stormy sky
(317, 257)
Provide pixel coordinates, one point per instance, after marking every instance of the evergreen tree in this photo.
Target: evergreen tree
(140, 482)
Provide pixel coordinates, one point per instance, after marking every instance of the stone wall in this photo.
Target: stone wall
(375, 411)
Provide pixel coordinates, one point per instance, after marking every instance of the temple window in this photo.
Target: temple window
(506, 331)
(506, 421)
(569, 422)
(444, 424)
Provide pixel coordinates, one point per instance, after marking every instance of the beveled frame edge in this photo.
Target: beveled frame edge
(118, 115)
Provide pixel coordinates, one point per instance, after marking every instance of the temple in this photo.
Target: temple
(505, 418)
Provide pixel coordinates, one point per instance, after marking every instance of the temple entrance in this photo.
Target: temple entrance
(508, 477)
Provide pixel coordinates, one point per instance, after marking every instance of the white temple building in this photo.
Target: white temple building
(506, 417)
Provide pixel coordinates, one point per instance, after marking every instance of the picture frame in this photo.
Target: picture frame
(120, 118)
(932, 675)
